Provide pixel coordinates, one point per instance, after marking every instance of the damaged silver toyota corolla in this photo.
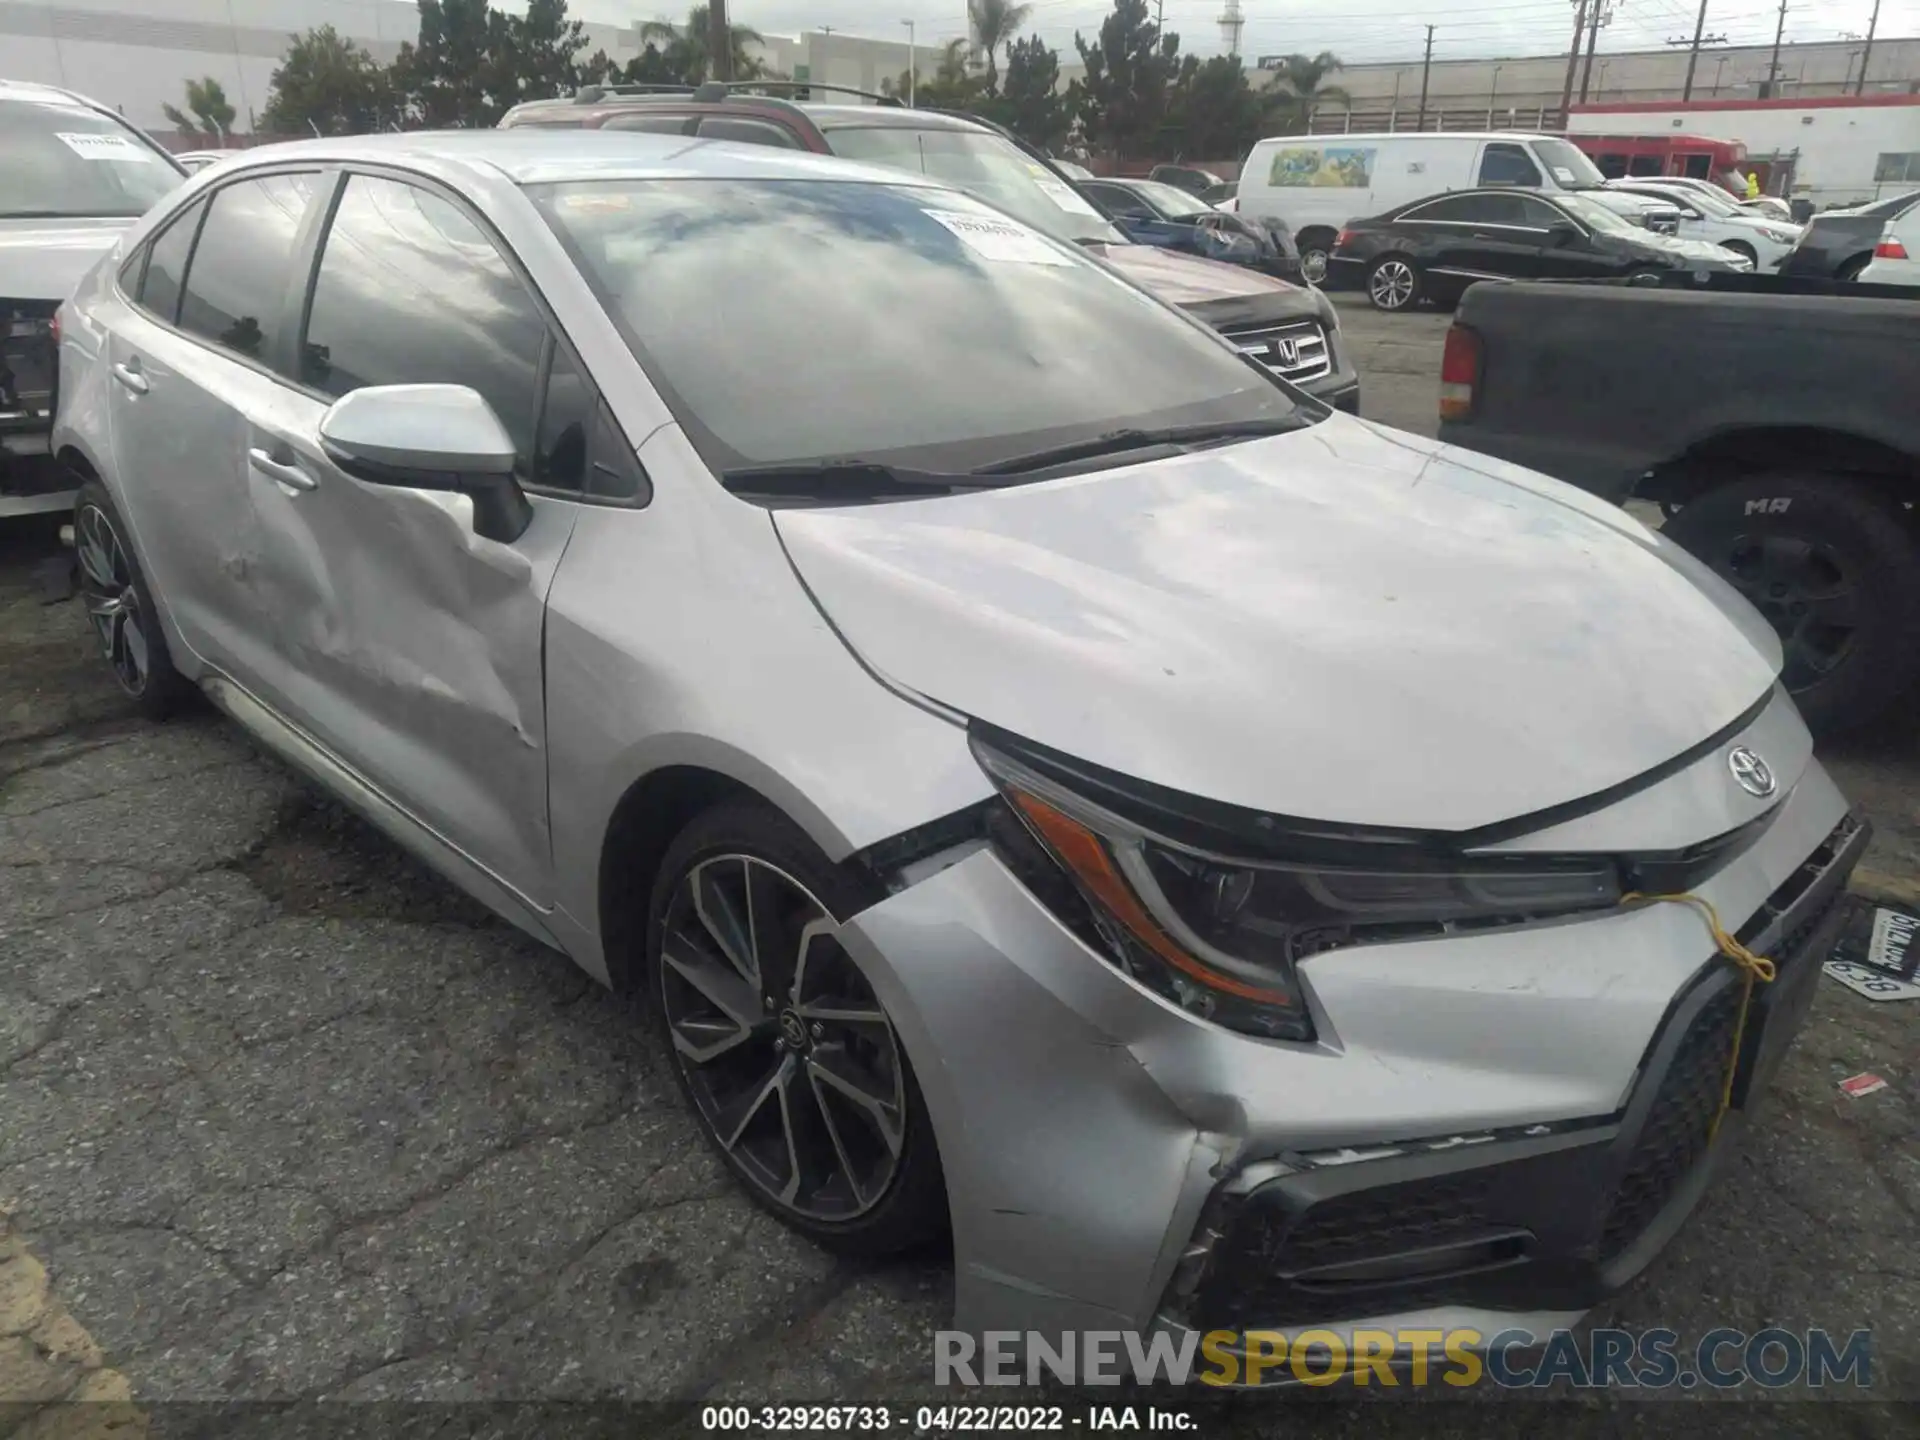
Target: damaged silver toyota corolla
(1046, 775)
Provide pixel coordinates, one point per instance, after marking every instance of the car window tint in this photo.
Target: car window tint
(650, 124)
(1119, 201)
(566, 420)
(167, 253)
(1455, 208)
(753, 132)
(412, 292)
(1536, 213)
(236, 285)
(616, 469)
(1507, 164)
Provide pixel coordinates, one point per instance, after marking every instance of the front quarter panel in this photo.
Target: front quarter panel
(679, 635)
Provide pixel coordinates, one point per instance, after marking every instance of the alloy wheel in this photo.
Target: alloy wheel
(789, 1056)
(1391, 285)
(1805, 593)
(112, 599)
(1313, 265)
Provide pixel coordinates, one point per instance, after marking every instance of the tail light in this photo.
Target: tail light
(53, 327)
(1889, 249)
(1345, 237)
(1459, 373)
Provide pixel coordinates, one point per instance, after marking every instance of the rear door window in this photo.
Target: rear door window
(1504, 163)
(1459, 209)
(158, 289)
(236, 285)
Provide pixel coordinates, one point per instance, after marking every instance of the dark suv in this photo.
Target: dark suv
(1290, 329)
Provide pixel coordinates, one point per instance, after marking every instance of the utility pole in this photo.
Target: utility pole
(1860, 85)
(719, 41)
(1600, 16)
(913, 65)
(1700, 37)
(1773, 65)
(1573, 59)
(1426, 69)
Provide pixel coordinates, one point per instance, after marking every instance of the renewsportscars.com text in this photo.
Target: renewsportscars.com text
(1512, 1359)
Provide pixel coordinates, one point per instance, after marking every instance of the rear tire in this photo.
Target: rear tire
(838, 1145)
(1835, 568)
(1393, 284)
(120, 606)
(1316, 254)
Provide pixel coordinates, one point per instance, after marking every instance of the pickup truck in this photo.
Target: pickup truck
(1775, 422)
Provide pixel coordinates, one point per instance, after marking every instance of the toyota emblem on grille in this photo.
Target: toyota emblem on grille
(1751, 772)
(1287, 352)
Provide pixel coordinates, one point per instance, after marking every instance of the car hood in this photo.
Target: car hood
(1346, 623)
(1187, 280)
(45, 259)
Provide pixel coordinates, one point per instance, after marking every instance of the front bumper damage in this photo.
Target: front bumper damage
(1113, 1163)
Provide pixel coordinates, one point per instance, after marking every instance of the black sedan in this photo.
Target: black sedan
(1435, 248)
(1151, 213)
(1837, 244)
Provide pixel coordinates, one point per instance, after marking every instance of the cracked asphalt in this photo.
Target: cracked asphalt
(283, 1116)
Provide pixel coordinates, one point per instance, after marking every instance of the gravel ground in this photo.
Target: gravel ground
(282, 1116)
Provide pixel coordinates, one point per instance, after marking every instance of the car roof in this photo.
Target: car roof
(48, 95)
(826, 115)
(1408, 136)
(534, 155)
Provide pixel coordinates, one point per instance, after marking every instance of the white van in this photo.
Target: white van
(1316, 183)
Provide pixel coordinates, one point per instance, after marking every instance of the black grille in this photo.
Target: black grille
(1384, 1221)
(1679, 1123)
(28, 365)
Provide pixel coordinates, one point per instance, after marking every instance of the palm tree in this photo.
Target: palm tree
(688, 48)
(1301, 86)
(995, 23)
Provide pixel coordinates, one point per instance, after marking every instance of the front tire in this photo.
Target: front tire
(1744, 251)
(1393, 283)
(120, 606)
(1835, 569)
(788, 1057)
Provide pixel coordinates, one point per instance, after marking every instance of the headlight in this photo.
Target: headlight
(1222, 935)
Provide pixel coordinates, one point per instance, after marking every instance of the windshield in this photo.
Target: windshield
(1169, 200)
(984, 164)
(60, 160)
(1600, 217)
(1567, 163)
(896, 324)
(1711, 202)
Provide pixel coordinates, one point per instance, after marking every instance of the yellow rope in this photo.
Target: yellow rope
(1758, 967)
(1755, 969)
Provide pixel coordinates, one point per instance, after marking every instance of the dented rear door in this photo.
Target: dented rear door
(406, 644)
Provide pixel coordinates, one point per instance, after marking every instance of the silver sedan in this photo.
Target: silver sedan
(1049, 779)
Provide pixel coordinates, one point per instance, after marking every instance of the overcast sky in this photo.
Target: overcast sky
(1356, 30)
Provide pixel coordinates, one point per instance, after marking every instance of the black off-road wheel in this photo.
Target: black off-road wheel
(120, 606)
(781, 1045)
(1834, 565)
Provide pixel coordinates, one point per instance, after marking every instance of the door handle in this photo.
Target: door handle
(128, 374)
(284, 471)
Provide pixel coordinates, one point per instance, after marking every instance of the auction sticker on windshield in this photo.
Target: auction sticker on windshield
(105, 147)
(992, 238)
(1067, 198)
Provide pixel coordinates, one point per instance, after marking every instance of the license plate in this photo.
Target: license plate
(1871, 981)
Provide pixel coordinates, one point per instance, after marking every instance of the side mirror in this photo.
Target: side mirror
(431, 437)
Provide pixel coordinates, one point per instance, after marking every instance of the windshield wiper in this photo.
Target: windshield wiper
(850, 479)
(1115, 442)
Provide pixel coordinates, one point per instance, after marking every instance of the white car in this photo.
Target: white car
(1719, 221)
(1896, 259)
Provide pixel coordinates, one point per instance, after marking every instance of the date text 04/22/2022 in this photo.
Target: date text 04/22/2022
(944, 1419)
